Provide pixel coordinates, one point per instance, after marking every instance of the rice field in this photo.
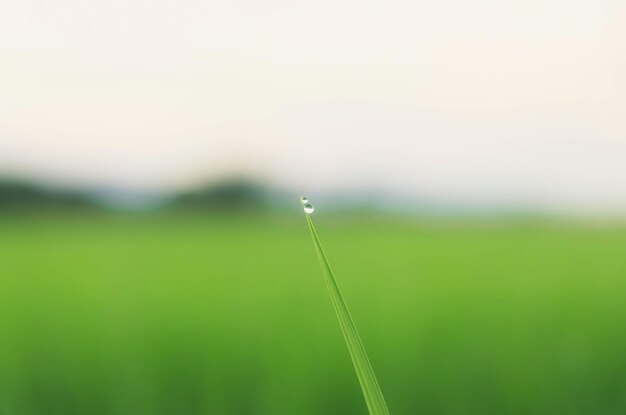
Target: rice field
(213, 314)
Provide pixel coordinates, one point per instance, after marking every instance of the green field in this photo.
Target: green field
(184, 314)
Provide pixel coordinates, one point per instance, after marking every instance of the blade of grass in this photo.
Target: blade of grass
(371, 390)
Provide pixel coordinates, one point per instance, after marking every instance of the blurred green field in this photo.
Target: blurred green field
(184, 314)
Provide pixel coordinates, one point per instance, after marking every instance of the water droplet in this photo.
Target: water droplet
(308, 208)
(304, 200)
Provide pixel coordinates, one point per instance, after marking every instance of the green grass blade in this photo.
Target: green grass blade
(373, 395)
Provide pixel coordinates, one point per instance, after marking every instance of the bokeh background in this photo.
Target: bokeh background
(467, 161)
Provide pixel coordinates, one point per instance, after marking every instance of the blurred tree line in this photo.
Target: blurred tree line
(226, 195)
(17, 194)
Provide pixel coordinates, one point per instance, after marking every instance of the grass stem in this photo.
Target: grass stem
(371, 390)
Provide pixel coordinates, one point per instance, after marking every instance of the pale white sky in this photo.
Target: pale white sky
(488, 101)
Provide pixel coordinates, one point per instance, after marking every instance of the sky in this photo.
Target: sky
(511, 103)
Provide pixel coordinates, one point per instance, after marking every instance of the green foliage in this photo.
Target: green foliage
(211, 314)
(228, 195)
(23, 195)
(371, 390)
